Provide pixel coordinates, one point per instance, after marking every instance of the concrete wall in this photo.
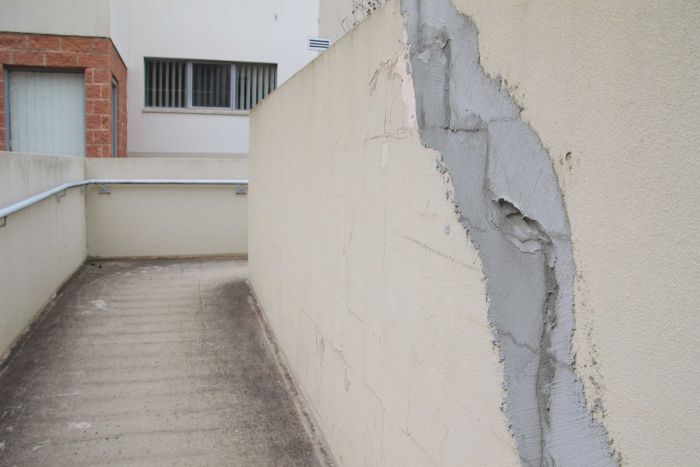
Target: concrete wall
(41, 246)
(273, 31)
(395, 320)
(335, 18)
(166, 220)
(363, 269)
(611, 89)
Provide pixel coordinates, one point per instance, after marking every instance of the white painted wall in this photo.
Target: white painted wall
(167, 220)
(363, 270)
(41, 246)
(272, 31)
(95, 18)
(119, 27)
(70, 17)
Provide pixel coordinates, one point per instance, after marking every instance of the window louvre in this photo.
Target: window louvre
(211, 85)
(319, 43)
(254, 82)
(165, 83)
(184, 84)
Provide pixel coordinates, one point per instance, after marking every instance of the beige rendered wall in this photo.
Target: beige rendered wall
(41, 246)
(363, 270)
(166, 220)
(335, 18)
(615, 86)
(375, 293)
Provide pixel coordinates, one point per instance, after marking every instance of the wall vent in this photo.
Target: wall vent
(319, 43)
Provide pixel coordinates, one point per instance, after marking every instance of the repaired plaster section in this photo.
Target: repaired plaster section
(508, 198)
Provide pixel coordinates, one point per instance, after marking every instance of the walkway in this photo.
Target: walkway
(161, 362)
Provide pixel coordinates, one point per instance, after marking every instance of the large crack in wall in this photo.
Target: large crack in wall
(509, 200)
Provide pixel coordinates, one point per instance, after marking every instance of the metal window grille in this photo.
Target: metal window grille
(184, 84)
(253, 83)
(211, 85)
(166, 83)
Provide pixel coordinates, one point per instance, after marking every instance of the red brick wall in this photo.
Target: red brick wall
(99, 61)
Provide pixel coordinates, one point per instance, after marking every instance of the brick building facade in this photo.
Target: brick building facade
(100, 63)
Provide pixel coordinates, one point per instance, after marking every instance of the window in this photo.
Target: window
(165, 83)
(46, 112)
(212, 85)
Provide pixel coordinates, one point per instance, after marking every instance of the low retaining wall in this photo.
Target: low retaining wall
(41, 246)
(167, 220)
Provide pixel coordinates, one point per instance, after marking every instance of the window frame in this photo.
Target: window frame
(114, 95)
(189, 87)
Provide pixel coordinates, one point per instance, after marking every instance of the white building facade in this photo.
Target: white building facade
(194, 68)
(217, 32)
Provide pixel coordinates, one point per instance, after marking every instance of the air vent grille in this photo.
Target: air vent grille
(319, 43)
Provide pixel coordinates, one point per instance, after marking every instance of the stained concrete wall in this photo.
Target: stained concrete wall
(41, 246)
(391, 315)
(167, 220)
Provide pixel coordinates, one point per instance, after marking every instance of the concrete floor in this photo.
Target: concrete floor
(161, 362)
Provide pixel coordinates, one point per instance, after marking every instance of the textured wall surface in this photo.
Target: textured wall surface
(611, 88)
(509, 200)
(41, 246)
(167, 220)
(565, 137)
(335, 18)
(363, 268)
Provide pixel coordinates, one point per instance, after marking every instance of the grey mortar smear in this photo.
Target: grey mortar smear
(508, 198)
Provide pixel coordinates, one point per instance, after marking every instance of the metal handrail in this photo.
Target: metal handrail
(61, 189)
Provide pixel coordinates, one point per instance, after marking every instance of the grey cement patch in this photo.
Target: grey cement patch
(509, 200)
(151, 363)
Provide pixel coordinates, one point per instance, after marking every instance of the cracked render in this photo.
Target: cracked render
(508, 198)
